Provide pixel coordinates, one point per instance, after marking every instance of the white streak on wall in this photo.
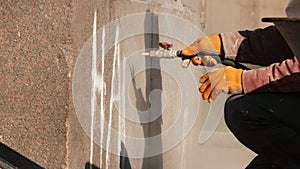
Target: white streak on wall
(111, 98)
(118, 96)
(102, 95)
(123, 109)
(93, 85)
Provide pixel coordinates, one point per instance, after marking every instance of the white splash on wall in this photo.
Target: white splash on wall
(93, 86)
(102, 93)
(112, 97)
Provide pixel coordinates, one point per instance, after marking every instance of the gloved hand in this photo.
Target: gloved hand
(210, 44)
(226, 79)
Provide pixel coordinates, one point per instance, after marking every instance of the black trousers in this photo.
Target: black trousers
(269, 125)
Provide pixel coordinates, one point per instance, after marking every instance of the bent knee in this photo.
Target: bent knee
(233, 113)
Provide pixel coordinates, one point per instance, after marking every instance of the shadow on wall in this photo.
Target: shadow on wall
(90, 166)
(153, 81)
(124, 160)
(10, 159)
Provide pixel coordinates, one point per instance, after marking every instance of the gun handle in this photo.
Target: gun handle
(186, 60)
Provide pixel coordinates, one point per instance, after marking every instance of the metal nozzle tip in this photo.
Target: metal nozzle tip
(152, 53)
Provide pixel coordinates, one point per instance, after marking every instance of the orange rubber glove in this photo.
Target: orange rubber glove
(208, 43)
(226, 79)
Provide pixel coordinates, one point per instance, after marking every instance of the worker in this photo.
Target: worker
(263, 113)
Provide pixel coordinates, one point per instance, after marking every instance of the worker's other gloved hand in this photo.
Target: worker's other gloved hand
(226, 79)
(208, 44)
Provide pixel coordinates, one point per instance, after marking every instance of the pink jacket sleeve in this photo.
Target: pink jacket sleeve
(281, 71)
(278, 77)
